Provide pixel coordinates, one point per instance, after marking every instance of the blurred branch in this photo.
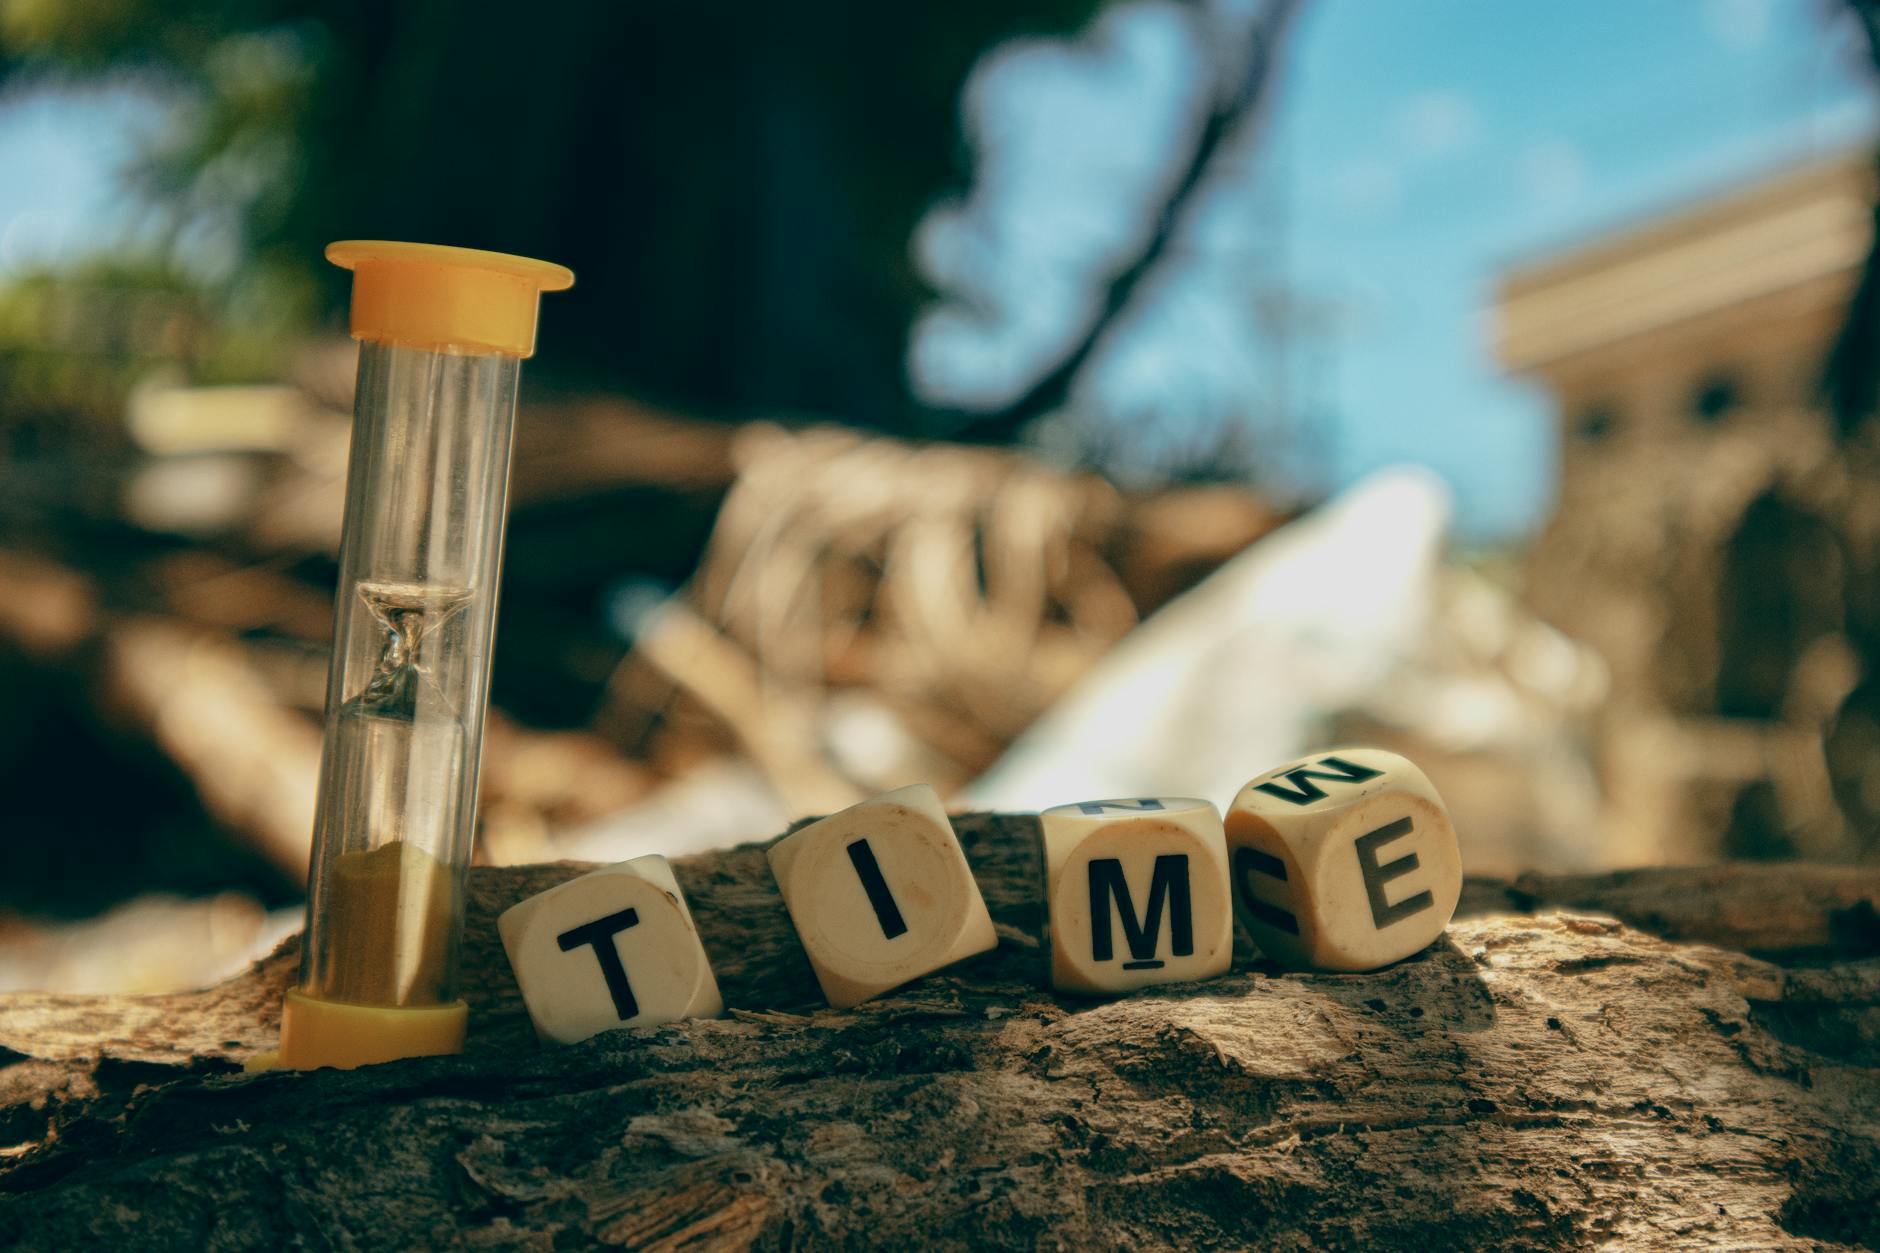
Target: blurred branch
(253, 762)
(1237, 107)
(1852, 379)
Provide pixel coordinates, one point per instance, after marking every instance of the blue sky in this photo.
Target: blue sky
(1417, 148)
(59, 158)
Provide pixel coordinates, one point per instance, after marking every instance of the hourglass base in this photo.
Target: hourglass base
(317, 1033)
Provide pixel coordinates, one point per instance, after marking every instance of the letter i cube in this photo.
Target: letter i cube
(1138, 893)
(1343, 860)
(880, 894)
(613, 948)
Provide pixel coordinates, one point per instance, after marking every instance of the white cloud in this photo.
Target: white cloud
(1428, 126)
(1368, 188)
(1553, 170)
(1741, 25)
(1439, 123)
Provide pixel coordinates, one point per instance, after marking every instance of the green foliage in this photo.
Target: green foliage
(73, 342)
(734, 183)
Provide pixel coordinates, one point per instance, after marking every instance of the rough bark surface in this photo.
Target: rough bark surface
(1540, 1079)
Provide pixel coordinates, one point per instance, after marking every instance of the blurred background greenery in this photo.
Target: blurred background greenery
(737, 182)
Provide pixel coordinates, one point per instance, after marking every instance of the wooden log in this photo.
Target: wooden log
(1536, 1080)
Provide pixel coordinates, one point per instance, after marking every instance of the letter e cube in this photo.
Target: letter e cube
(1343, 860)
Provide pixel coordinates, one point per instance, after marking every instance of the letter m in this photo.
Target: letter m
(1304, 791)
(1168, 884)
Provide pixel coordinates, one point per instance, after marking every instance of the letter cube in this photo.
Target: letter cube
(613, 948)
(1138, 893)
(880, 894)
(1343, 860)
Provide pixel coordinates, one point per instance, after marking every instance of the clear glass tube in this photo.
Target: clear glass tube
(409, 684)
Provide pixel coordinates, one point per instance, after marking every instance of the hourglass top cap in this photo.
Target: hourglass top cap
(446, 299)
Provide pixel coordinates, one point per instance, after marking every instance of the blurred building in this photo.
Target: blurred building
(1709, 528)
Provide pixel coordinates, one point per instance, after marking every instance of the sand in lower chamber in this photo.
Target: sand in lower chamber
(389, 915)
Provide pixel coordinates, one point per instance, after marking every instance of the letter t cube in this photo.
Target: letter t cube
(615, 947)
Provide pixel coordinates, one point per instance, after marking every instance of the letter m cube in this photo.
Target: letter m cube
(1138, 893)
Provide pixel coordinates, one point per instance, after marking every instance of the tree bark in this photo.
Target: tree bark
(1541, 1079)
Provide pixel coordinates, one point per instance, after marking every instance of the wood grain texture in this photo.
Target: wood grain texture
(1539, 1079)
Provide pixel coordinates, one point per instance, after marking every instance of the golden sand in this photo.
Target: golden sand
(388, 922)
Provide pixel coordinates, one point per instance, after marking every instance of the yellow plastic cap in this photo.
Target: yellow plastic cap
(444, 299)
(317, 1033)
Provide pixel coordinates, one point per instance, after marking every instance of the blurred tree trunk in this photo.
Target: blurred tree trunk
(1853, 371)
(1851, 387)
(734, 184)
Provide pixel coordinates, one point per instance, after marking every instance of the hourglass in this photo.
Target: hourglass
(442, 333)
